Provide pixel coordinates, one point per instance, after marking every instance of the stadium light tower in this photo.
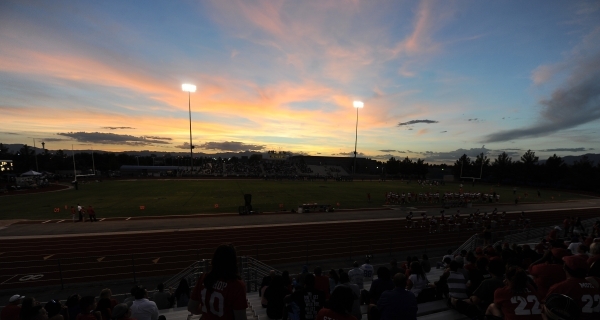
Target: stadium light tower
(189, 88)
(357, 105)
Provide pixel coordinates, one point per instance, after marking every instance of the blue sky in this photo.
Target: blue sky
(468, 76)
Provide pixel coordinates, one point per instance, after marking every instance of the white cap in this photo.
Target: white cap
(557, 228)
(15, 298)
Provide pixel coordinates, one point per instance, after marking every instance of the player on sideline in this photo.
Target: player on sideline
(92, 214)
(220, 293)
(432, 225)
(367, 268)
(356, 275)
(409, 222)
(73, 213)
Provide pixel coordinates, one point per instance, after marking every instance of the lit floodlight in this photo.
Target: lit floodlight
(188, 87)
(358, 104)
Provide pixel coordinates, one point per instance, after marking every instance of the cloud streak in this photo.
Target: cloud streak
(117, 128)
(580, 149)
(411, 122)
(111, 138)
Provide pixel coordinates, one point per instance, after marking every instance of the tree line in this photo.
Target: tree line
(583, 174)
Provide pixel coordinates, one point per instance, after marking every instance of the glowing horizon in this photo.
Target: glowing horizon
(438, 78)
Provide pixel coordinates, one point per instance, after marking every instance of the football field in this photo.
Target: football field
(129, 198)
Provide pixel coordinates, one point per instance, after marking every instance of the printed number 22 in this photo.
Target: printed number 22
(520, 309)
(215, 295)
(589, 306)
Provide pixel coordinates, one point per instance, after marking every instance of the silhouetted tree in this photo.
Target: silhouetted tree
(392, 166)
(4, 155)
(584, 175)
(421, 168)
(555, 169)
(502, 166)
(462, 165)
(482, 162)
(406, 167)
(529, 159)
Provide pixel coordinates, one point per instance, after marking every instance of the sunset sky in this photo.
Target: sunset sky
(437, 78)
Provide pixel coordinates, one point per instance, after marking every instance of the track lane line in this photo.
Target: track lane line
(5, 281)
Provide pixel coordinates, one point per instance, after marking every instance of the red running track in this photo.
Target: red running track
(40, 262)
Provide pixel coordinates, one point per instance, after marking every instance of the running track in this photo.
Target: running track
(35, 262)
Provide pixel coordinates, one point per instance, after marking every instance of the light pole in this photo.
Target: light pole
(35, 154)
(189, 88)
(357, 105)
(43, 151)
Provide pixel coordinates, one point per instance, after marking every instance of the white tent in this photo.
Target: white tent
(31, 173)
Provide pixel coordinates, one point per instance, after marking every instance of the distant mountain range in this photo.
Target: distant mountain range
(571, 159)
(14, 148)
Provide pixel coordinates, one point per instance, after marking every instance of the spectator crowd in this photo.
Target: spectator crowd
(557, 278)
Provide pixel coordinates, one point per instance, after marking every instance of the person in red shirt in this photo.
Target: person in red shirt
(91, 214)
(548, 270)
(578, 288)
(517, 300)
(220, 293)
(340, 305)
(73, 213)
(322, 282)
(87, 305)
(12, 310)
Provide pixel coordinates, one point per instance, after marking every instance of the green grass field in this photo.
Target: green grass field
(169, 197)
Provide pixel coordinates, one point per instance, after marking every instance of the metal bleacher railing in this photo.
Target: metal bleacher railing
(519, 234)
(469, 245)
(191, 273)
(251, 270)
(539, 233)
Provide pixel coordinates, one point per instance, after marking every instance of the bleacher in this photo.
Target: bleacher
(318, 170)
(252, 271)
